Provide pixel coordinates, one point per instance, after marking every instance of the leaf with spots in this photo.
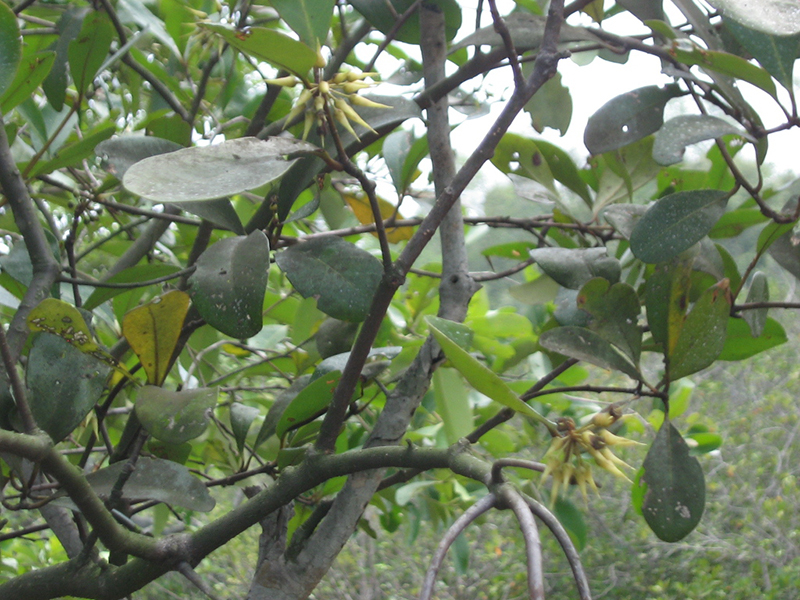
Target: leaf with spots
(64, 384)
(702, 337)
(64, 320)
(340, 275)
(628, 118)
(670, 490)
(583, 344)
(229, 284)
(153, 330)
(175, 417)
(615, 314)
(675, 223)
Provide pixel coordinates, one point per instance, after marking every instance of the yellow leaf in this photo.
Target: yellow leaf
(153, 330)
(361, 208)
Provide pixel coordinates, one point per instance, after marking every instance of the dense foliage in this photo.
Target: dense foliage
(216, 274)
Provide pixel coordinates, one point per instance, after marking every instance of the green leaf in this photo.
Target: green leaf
(666, 299)
(482, 378)
(563, 169)
(155, 479)
(153, 330)
(573, 267)
(396, 147)
(583, 344)
(175, 417)
(268, 45)
(10, 47)
(130, 275)
(740, 343)
(219, 212)
(383, 18)
(311, 402)
(735, 222)
(342, 276)
(671, 487)
(64, 384)
(309, 19)
(278, 406)
(685, 130)
(242, 417)
(64, 320)
(452, 404)
(30, 74)
(775, 53)
(458, 332)
(759, 292)
(783, 246)
(229, 284)
(628, 118)
(120, 153)
(615, 314)
(776, 17)
(703, 442)
(702, 337)
(210, 172)
(623, 217)
(55, 84)
(551, 106)
(727, 64)
(73, 154)
(89, 50)
(675, 223)
(572, 520)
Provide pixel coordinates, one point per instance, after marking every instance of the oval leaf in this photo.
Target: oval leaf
(268, 45)
(89, 50)
(775, 53)
(341, 276)
(309, 19)
(229, 284)
(615, 314)
(175, 417)
(572, 267)
(627, 118)
(583, 344)
(64, 384)
(312, 401)
(702, 337)
(671, 486)
(740, 343)
(120, 153)
(685, 130)
(675, 223)
(777, 17)
(153, 329)
(155, 479)
(211, 172)
(242, 417)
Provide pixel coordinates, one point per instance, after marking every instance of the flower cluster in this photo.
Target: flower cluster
(565, 459)
(338, 94)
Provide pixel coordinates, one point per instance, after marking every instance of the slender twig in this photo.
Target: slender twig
(533, 545)
(561, 535)
(185, 569)
(135, 210)
(756, 305)
(20, 398)
(127, 286)
(460, 524)
(508, 43)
